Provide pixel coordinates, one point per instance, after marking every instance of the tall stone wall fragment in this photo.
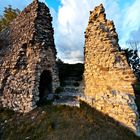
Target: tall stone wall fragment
(27, 50)
(108, 78)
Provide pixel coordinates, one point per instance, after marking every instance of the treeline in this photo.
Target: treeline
(8, 15)
(133, 57)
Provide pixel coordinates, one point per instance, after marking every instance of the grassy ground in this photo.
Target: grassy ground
(61, 123)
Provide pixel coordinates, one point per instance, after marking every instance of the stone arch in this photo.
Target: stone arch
(45, 85)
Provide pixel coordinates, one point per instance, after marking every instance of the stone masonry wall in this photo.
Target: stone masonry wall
(108, 78)
(29, 50)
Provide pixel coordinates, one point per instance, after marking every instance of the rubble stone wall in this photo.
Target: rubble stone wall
(29, 50)
(108, 78)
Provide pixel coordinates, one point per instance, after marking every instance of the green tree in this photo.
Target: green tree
(132, 55)
(8, 15)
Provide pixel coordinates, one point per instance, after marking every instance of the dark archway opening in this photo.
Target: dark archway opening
(45, 87)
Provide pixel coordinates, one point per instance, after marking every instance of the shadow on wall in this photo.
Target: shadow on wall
(62, 122)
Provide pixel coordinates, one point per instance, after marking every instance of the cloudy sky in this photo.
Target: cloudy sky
(70, 19)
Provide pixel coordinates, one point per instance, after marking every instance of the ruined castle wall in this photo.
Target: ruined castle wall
(108, 78)
(31, 50)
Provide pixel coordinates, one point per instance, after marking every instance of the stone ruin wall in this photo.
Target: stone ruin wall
(27, 50)
(108, 78)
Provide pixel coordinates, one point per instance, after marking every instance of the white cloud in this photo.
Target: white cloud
(131, 22)
(73, 57)
(132, 16)
(73, 18)
(135, 35)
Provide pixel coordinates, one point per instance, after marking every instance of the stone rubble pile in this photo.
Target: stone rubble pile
(108, 78)
(29, 50)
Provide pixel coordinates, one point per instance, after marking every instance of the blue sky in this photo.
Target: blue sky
(70, 19)
(54, 4)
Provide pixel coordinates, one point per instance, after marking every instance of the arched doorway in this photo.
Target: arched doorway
(45, 86)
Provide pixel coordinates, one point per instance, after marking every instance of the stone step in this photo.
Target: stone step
(73, 77)
(74, 74)
(72, 89)
(72, 103)
(72, 82)
(69, 94)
